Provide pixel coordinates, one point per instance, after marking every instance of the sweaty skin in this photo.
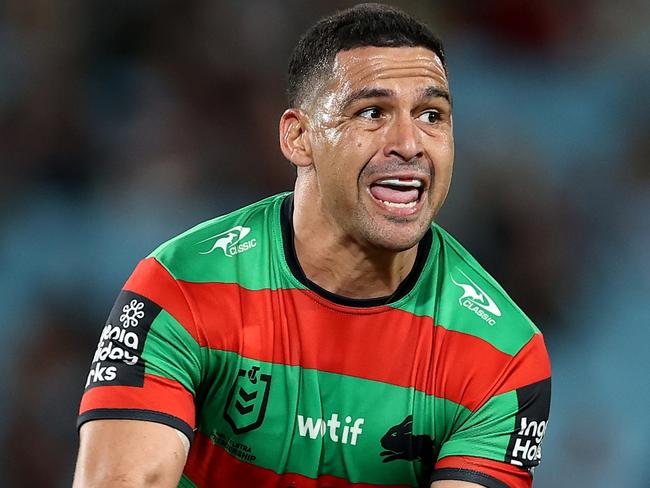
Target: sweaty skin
(384, 115)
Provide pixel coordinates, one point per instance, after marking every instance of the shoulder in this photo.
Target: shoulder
(474, 303)
(198, 253)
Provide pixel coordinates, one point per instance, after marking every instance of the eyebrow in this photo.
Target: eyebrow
(363, 93)
(435, 92)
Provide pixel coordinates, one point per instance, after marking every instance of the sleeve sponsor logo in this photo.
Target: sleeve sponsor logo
(525, 446)
(231, 242)
(117, 359)
(132, 313)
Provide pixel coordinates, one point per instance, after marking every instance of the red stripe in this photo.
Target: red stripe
(512, 476)
(210, 465)
(158, 394)
(486, 372)
(152, 280)
(529, 366)
(288, 326)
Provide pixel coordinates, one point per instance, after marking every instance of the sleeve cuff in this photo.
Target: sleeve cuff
(461, 474)
(136, 414)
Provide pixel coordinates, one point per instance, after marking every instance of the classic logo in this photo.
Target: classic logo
(231, 242)
(400, 443)
(476, 300)
(247, 400)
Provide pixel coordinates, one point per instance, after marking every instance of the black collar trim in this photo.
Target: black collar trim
(286, 222)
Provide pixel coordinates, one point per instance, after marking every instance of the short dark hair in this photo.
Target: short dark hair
(367, 24)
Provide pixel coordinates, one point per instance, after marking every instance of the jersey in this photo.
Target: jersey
(278, 383)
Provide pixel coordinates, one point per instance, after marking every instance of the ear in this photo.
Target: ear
(294, 139)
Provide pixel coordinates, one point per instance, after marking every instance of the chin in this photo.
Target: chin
(396, 238)
(399, 245)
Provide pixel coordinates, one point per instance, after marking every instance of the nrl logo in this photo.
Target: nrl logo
(247, 400)
(476, 300)
(231, 242)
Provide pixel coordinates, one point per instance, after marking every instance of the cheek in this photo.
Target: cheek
(363, 145)
(349, 141)
(442, 155)
(341, 154)
(442, 150)
(332, 137)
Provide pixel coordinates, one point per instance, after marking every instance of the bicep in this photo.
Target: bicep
(129, 453)
(498, 444)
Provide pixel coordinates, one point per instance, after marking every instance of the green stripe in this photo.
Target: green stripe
(185, 482)
(171, 352)
(278, 444)
(253, 269)
(263, 267)
(486, 433)
(512, 329)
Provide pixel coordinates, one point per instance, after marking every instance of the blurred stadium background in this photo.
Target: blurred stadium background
(124, 123)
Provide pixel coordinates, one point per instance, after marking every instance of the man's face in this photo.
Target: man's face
(382, 144)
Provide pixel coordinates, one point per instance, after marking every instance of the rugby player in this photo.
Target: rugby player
(334, 336)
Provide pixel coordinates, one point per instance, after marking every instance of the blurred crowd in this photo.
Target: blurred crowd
(124, 123)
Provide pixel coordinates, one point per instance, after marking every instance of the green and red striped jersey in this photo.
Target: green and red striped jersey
(278, 383)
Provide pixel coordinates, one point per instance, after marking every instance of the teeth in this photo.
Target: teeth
(395, 182)
(399, 205)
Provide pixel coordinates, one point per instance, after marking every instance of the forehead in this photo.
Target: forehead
(375, 66)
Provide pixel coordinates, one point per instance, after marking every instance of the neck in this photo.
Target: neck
(337, 262)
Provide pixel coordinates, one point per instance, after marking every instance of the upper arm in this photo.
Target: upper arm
(140, 392)
(498, 444)
(129, 453)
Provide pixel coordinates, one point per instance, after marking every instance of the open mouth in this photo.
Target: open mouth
(402, 193)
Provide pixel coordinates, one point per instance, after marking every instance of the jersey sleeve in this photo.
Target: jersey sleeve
(147, 365)
(499, 444)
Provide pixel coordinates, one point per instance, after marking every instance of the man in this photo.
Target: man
(334, 336)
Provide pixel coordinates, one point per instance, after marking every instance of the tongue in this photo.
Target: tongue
(388, 194)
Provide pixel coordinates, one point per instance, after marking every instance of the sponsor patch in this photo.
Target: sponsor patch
(525, 446)
(117, 359)
(316, 428)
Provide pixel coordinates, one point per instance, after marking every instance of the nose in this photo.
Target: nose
(403, 138)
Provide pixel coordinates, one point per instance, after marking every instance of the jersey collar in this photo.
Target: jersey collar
(286, 223)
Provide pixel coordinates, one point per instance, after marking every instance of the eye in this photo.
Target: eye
(429, 116)
(372, 113)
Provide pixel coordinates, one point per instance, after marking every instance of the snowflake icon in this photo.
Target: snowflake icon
(132, 314)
